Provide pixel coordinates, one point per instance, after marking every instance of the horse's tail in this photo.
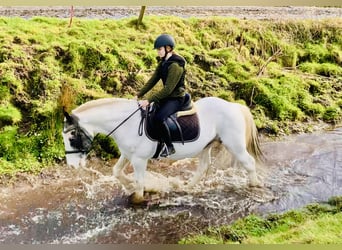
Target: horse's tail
(252, 138)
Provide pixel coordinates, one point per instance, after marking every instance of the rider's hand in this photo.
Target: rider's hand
(144, 103)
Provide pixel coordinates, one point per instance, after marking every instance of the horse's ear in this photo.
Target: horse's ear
(67, 116)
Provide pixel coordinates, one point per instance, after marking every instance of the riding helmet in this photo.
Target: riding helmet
(164, 40)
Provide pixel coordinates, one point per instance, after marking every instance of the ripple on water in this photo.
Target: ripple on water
(92, 208)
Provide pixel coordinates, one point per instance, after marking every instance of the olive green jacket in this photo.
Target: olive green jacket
(175, 72)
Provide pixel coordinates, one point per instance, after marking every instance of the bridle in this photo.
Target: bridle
(81, 140)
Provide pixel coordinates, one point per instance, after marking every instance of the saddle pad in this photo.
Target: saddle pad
(187, 112)
(189, 125)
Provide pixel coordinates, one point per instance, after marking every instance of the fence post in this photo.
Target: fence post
(141, 15)
(71, 15)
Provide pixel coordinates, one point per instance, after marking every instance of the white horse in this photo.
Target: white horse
(231, 124)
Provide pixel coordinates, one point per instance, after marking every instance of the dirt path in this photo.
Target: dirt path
(245, 12)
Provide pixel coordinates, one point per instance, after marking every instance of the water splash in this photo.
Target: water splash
(88, 205)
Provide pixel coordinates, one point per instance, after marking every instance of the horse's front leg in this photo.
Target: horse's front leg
(139, 166)
(120, 175)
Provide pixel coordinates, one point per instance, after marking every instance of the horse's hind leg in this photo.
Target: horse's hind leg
(204, 163)
(248, 163)
(239, 151)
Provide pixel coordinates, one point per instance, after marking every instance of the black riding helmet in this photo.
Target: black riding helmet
(164, 40)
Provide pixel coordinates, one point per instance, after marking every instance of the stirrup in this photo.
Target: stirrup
(167, 150)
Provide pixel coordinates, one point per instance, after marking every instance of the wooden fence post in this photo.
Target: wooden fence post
(71, 15)
(141, 15)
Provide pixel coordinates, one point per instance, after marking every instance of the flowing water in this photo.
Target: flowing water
(88, 205)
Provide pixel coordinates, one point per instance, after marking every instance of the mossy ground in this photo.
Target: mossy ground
(287, 72)
(314, 224)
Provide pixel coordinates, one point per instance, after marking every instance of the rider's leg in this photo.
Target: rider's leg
(166, 137)
(166, 108)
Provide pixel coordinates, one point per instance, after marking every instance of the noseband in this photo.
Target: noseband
(80, 140)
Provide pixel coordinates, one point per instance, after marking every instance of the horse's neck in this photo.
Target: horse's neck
(105, 115)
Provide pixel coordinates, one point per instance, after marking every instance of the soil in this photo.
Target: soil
(115, 12)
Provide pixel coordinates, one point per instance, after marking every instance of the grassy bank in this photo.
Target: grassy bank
(314, 224)
(288, 72)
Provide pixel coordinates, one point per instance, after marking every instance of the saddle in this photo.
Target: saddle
(183, 125)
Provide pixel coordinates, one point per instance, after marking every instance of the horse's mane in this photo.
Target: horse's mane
(100, 102)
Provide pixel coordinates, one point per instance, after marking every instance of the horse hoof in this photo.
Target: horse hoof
(256, 184)
(134, 199)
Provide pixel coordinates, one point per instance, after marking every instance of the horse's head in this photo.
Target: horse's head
(77, 141)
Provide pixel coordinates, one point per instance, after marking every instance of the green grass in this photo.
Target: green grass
(324, 230)
(285, 71)
(314, 224)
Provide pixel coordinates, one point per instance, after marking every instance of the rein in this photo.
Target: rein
(111, 132)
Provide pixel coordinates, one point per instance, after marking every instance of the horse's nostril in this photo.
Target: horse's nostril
(76, 143)
(72, 142)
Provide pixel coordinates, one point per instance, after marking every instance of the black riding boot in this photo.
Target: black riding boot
(166, 136)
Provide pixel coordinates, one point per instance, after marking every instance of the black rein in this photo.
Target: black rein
(111, 132)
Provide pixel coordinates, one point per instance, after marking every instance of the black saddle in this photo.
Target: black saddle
(183, 125)
(187, 104)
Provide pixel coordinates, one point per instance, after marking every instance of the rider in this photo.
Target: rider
(169, 100)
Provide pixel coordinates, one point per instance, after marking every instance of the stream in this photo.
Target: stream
(65, 205)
